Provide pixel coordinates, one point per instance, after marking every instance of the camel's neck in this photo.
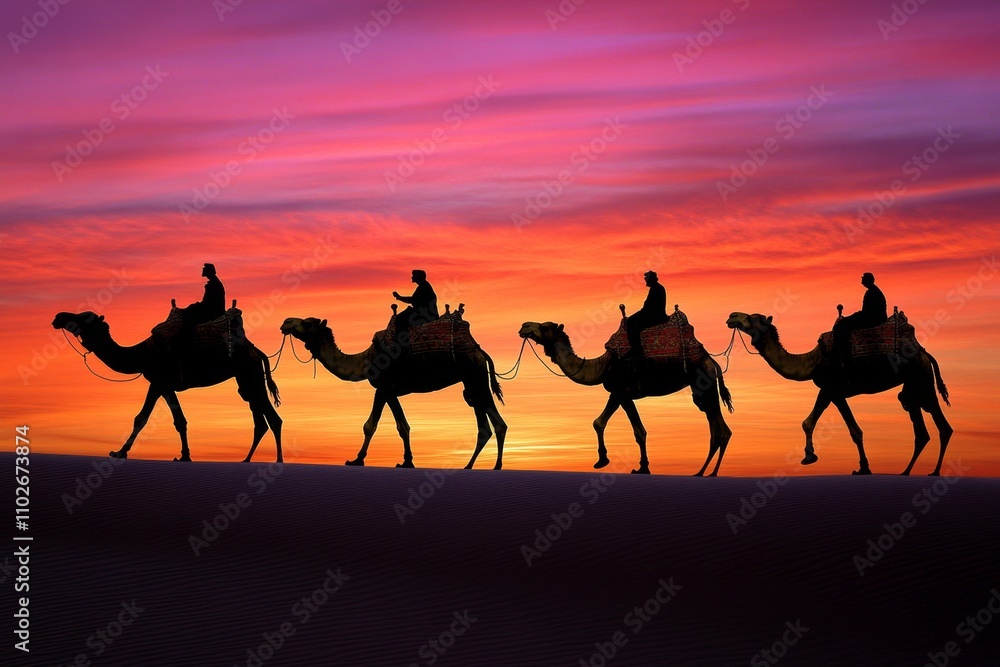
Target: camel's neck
(349, 367)
(125, 360)
(581, 371)
(798, 367)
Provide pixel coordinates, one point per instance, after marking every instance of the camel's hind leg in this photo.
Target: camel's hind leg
(403, 428)
(640, 434)
(180, 423)
(499, 427)
(920, 436)
(252, 390)
(719, 434)
(600, 424)
(483, 435)
(944, 428)
(856, 434)
(152, 396)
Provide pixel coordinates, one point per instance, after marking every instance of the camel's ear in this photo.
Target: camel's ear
(323, 323)
(769, 318)
(560, 328)
(101, 318)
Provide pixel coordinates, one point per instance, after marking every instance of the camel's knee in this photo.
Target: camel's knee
(180, 424)
(808, 425)
(368, 429)
(501, 428)
(403, 430)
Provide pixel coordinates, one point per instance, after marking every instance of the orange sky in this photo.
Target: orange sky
(322, 216)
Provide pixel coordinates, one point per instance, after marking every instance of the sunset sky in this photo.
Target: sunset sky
(535, 161)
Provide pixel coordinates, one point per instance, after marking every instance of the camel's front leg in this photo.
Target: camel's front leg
(180, 423)
(640, 434)
(600, 424)
(500, 428)
(809, 425)
(152, 396)
(369, 428)
(403, 428)
(856, 435)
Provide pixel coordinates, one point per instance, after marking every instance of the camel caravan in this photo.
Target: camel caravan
(420, 351)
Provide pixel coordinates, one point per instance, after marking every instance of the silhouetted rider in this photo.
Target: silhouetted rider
(212, 304)
(423, 304)
(653, 312)
(874, 311)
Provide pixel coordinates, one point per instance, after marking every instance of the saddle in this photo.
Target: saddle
(448, 333)
(889, 337)
(671, 340)
(218, 335)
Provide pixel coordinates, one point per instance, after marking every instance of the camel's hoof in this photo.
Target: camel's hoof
(355, 462)
(280, 460)
(936, 473)
(183, 458)
(863, 471)
(246, 460)
(809, 459)
(405, 464)
(498, 467)
(118, 455)
(601, 462)
(643, 470)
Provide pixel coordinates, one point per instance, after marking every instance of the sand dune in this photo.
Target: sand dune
(343, 566)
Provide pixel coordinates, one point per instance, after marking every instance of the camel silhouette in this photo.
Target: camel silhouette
(628, 380)
(412, 373)
(199, 367)
(867, 375)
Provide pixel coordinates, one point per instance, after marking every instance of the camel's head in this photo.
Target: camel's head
(304, 329)
(79, 324)
(544, 333)
(753, 325)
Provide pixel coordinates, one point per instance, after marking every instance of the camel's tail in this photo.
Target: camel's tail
(272, 386)
(724, 394)
(942, 389)
(494, 383)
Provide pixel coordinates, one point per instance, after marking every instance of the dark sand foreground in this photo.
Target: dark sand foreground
(319, 563)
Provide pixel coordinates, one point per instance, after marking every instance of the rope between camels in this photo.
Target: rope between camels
(726, 352)
(87, 364)
(517, 364)
(745, 344)
(576, 372)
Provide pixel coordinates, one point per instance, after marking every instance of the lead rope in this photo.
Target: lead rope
(87, 364)
(512, 373)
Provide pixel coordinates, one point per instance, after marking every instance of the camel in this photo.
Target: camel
(867, 375)
(198, 369)
(628, 380)
(409, 374)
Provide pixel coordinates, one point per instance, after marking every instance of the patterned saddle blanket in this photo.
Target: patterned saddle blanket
(887, 338)
(222, 333)
(448, 333)
(671, 340)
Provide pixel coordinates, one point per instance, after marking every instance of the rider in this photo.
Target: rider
(653, 312)
(874, 311)
(423, 304)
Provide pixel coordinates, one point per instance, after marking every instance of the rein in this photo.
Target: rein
(87, 364)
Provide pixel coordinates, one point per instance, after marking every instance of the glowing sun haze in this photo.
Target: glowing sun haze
(759, 155)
